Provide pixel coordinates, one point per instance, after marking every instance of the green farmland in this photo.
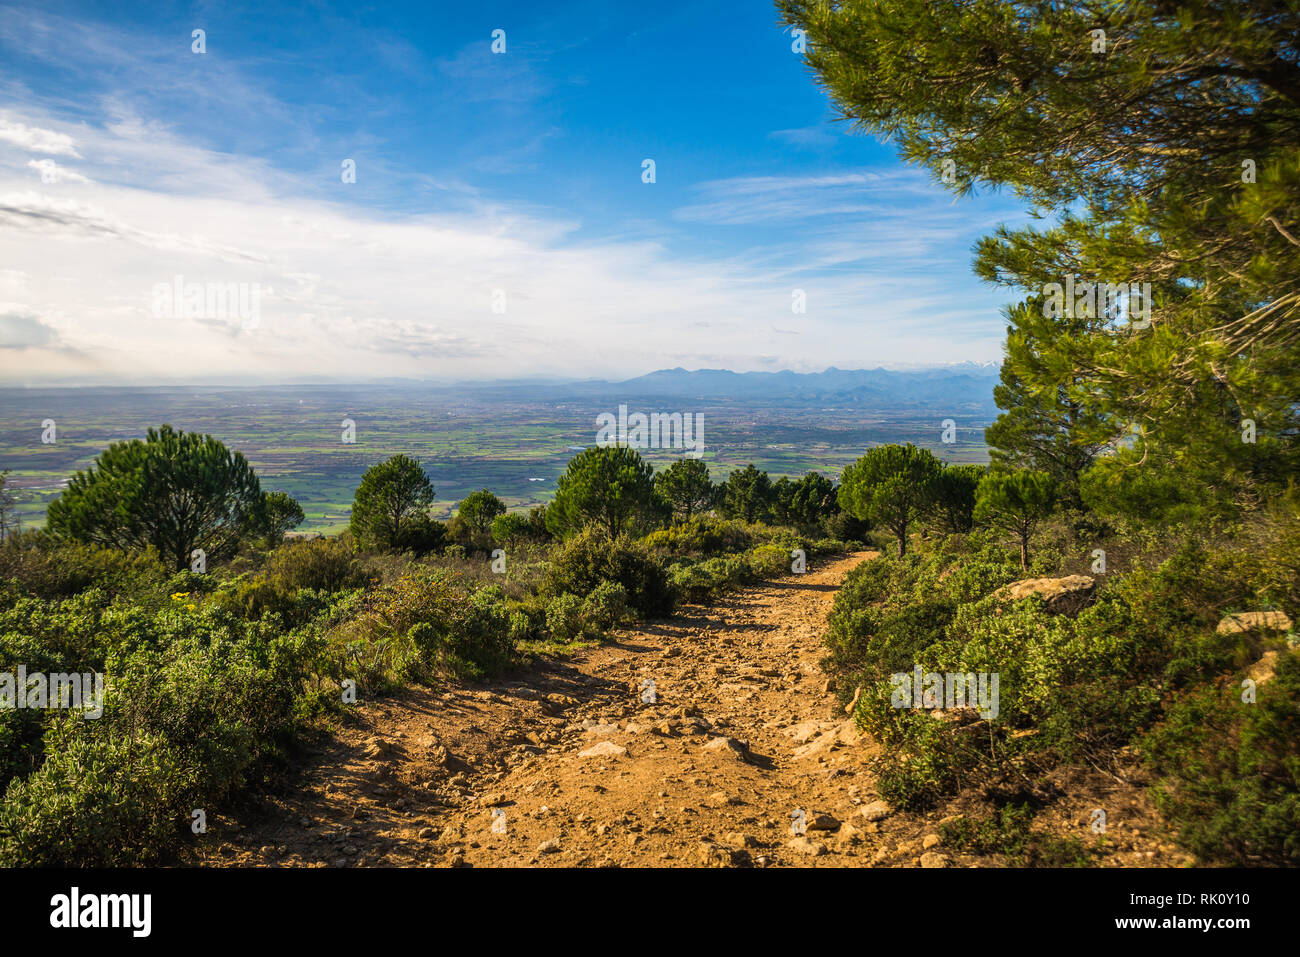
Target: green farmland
(466, 439)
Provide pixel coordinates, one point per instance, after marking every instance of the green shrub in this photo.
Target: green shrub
(1005, 831)
(522, 627)
(826, 546)
(50, 568)
(221, 705)
(847, 527)
(700, 581)
(702, 535)
(604, 608)
(184, 723)
(1230, 771)
(21, 748)
(924, 759)
(476, 642)
(251, 598)
(769, 561)
(564, 617)
(98, 800)
(889, 611)
(453, 630)
(587, 559)
(74, 632)
(320, 563)
(191, 583)
(482, 643)
(510, 528)
(421, 535)
(22, 729)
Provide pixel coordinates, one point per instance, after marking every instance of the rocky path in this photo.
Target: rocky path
(739, 748)
(708, 739)
(736, 756)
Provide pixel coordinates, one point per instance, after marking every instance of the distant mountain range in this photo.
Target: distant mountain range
(966, 386)
(878, 383)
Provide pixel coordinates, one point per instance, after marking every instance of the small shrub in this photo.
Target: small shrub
(769, 561)
(454, 631)
(319, 563)
(604, 608)
(564, 617)
(1230, 771)
(586, 560)
(97, 801)
(702, 535)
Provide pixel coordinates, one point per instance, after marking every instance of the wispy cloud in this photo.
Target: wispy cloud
(115, 187)
(51, 172)
(34, 139)
(756, 199)
(818, 137)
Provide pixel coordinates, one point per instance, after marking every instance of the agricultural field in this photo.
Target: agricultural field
(514, 441)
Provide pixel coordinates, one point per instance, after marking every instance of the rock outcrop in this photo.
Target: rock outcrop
(1244, 621)
(1062, 596)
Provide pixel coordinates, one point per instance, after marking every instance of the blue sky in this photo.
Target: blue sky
(498, 224)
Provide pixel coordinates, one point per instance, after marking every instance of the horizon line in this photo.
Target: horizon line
(549, 380)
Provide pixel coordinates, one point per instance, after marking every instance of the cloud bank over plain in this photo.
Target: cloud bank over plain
(102, 203)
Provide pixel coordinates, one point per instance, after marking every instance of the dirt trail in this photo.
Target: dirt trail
(579, 767)
(569, 764)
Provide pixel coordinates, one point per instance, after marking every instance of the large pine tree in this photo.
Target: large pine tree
(175, 491)
(1160, 142)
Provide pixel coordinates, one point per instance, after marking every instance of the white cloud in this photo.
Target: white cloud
(34, 139)
(747, 200)
(19, 330)
(349, 292)
(51, 172)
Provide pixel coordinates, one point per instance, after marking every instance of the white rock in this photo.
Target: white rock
(605, 749)
(805, 846)
(875, 811)
(725, 745)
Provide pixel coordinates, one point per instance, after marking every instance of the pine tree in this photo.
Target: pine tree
(175, 491)
(686, 487)
(610, 487)
(892, 486)
(391, 503)
(1048, 422)
(1160, 142)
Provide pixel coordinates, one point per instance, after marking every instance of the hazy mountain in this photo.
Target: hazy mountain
(966, 387)
(832, 382)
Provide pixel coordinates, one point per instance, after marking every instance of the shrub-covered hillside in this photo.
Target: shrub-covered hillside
(167, 570)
